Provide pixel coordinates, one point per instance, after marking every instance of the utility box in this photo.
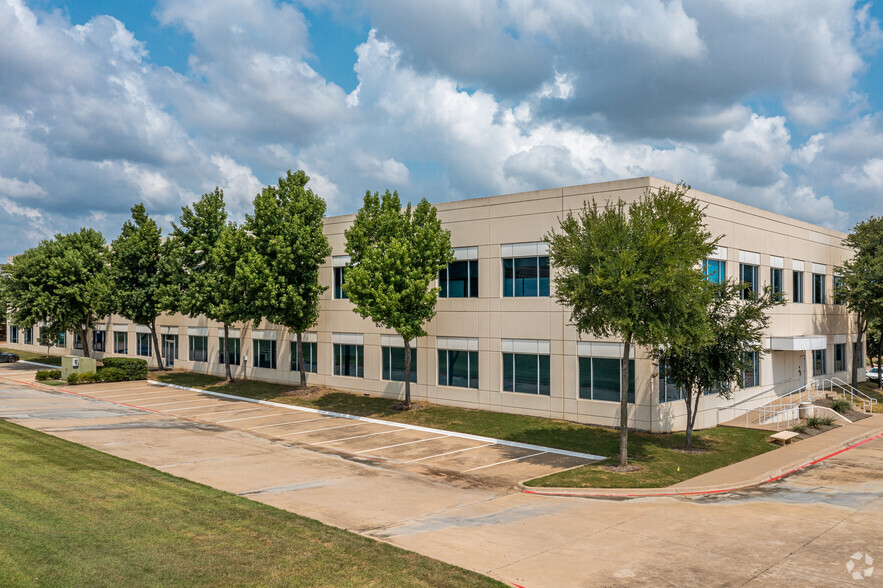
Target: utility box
(72, 364)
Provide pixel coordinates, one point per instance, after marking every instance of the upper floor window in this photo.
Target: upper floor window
(339, 263)
(525, 269)
(715, 270)
(776, 283)
(748, 275)
(797, 292)
(838, 290)
(460, 278)
(818, 288)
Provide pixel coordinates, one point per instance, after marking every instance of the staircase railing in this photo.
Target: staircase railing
(785, 409)
(856, 396)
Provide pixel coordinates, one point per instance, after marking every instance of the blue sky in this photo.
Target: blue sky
(105, 104)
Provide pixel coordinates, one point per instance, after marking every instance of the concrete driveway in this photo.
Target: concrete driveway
(801, 530)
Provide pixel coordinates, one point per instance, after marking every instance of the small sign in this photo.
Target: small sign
(76, 362)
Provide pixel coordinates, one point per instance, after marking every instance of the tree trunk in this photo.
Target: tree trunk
(407, 372)
(691, 417)
(85, 342)
(624, 403)
(300, 359)
(156, 347)
(226, 352)
(688, 398)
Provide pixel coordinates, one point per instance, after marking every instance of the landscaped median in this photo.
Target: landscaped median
(73, 516)
(659, 455)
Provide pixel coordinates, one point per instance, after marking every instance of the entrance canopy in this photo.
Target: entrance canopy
(798, 343)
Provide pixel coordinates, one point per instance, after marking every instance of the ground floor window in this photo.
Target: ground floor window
(99, 339)
(13, 334)
(751, 372)
(311, 357)
(121, 343)
(527, 373)
(458, 368)
(143, 344)
(394, 364)
(233, 349)
(599, 379)
(27, 336)
(349, 360)
(668, 391)
(78, 341)
(62, 339)
(819, 364)
(839, 357)
(264, 354)
(198, 348)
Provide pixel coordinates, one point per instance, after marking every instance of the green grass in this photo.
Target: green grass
(656, 453)
(38, 357)
(73, 516)
(870, 388)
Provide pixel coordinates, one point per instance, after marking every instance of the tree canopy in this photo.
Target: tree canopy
(395, 254)
(633, 271)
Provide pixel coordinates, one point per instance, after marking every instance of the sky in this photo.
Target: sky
(104, 104)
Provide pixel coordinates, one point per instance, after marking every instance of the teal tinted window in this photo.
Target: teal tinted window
(349, 360)
(310, 354)
(715, 270)
(526, 373)
(394, 364)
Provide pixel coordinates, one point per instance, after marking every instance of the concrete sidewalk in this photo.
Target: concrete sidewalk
(750, 472)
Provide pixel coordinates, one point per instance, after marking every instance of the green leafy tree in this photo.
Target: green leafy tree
(61, 282)
(290, 246)
(861, 281)
(875, 346)
(634, 272)
(395, 254)
(205, 251)
(718, 364)
(140, 274)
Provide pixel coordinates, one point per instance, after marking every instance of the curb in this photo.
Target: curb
(766, 477)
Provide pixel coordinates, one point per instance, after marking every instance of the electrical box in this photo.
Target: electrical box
(72, 364)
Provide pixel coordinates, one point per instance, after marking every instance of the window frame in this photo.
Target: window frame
(590, 361)
(543, 368)
(717, 274)
(386, 372)
(777, 286)
(444, 279)
(445, 374)
(840, 357)
(139, 339)
(338, 279)
(116, 340)
(822, 359)
(96, 344)
(798, 286)
(820, 291)
(337, 367)
(256, 345)
(310, 348)
(542, 289)
(193, 349)
(234, 358)
(749, 292)
(754, 358)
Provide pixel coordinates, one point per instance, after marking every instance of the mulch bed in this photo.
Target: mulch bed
(852, 415)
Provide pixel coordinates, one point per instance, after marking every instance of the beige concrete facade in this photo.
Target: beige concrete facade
(515, 225)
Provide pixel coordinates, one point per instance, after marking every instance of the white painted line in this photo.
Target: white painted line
(45, 365)
(129, 392)
(400, 444)
(490, 465)
(322, 429)
(257, 416)
(287, 423)
(207, 414)
(185, 408)
(176, 402)
(356, 437)
(450, 452)
(488, 440)
(137, 397)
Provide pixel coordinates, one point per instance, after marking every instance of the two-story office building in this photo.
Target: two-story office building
(500, 342)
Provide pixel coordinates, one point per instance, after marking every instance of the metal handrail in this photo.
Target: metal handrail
(774, 411)
(865, 402)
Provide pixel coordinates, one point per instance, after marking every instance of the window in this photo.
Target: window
(526, 373)
(121, 342)
(458, 368)
(143, 344)
(198, 348)
(62, 340)
(234, 355)
(715, 270)
(13, 334)
(78, 341)
(459, 280)
(751, 371)
(839, 357)
(526, 276)
(776, 283)
(819, 366)
(264, 353)
(349, 360)
(798, 287)
(394, 364)
(99, 339)
(339, 273)
(748, 275)
(838, 290)
(818, 288)
(599, 379)
(310, 354)
(27, 336)
(668, 392)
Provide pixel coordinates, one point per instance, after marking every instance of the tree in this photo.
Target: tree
(875, 344)
(205, 251)
(861, 281)
(61, 282)
(395, 254)
(718, 364)
(634, 272)
(140, 274)
(290, 246)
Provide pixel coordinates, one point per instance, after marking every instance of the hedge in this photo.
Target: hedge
(134, 369)
(43, 375)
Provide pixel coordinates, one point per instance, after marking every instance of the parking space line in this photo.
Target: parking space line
(322, 429)
(186, 408)
(400, 444)
(140, 397)
(176, 402)
(257, 416)
(356, 437)
(490, 465)
(450, 452)
(130, 393)
(286, 423)
(199, 416)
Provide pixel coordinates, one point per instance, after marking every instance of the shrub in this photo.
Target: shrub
(73, 378)
(799, 428)
(87, 377)
(134, 369)
(43, 375)
(111, 374)
(816, 421)
(841, 405)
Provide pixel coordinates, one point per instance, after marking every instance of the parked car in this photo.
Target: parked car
(8, 358)
(873, 374)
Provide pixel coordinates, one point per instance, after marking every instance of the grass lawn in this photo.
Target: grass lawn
(73, 516)
(655, 452)
(870, 388)
(38, 357)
